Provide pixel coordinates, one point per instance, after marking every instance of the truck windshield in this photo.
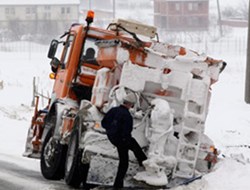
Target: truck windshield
(90, 50)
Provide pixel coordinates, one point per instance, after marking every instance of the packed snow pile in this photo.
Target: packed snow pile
(160, 131)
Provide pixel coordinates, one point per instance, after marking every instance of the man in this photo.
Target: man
(118, 123)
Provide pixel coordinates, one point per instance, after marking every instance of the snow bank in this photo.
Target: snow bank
(230, 175)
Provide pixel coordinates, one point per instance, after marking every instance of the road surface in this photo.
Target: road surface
(14, 176)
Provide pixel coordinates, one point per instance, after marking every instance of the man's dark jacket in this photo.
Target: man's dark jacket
(118, 123)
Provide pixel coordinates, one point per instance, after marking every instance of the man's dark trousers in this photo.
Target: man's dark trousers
(123, 149)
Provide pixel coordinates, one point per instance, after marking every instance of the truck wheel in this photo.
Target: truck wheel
(52, 157)
(75, 171)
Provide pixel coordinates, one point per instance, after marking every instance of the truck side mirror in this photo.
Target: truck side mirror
(52, 49)
(54, 64)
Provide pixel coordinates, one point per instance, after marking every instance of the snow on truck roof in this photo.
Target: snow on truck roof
(39, 2)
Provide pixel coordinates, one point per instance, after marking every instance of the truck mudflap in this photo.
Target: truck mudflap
(65, 112)
(35, 131)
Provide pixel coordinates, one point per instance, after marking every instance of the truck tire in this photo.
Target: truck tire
(52, 157)
(75, 171)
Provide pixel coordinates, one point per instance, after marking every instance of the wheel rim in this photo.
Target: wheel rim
(50, 152)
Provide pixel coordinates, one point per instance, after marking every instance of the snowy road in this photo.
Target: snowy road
(15, 177)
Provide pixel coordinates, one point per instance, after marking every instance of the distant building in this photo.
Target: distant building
(107, 10)
(181, 15)
(38, 16)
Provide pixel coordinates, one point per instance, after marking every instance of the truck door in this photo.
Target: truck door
(63, 76)
(89, 63)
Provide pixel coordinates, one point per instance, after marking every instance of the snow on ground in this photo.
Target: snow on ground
(228, 122)
(17, 71)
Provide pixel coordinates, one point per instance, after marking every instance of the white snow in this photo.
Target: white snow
(228, 123)
(158, 133)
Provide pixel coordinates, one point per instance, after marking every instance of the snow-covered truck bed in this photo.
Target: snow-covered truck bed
(173, 90)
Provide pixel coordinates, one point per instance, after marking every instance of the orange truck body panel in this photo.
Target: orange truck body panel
(64, 76)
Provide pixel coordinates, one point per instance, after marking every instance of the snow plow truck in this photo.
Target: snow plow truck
(96, 69)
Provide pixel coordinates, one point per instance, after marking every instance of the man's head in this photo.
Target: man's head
(129, 100)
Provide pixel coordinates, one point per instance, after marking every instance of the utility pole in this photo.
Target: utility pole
(90, 5)
(113, 9)
(219, 17)
(247, 82)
